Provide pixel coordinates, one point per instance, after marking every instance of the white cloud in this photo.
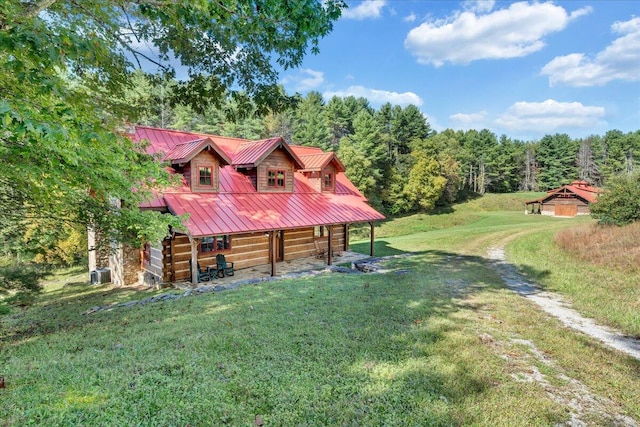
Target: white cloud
(366, 9)
(550, 116)
(468, 120)
(480, 6)
(378, 97)
(618, 61)
(308, 80)
(580, 12)
(410, 18)
(470, 35)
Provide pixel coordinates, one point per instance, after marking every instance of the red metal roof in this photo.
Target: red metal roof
(238, 207)
(165, 140)
(184, 152)
(303, 150)
(581, 189)
(224, 213)
(317, 162)
(251, 153)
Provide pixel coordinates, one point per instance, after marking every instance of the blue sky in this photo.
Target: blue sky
(524, 69)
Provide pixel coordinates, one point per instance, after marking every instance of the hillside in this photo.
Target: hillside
(437, 339)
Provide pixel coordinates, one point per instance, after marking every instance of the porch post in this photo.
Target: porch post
(194, 261)
(172, 250)
(329, 251)
(371, 244)
(346, 237)
(272, 251)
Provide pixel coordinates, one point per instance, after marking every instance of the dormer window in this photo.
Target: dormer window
(205, 174)
(276, 178)
(328, 181)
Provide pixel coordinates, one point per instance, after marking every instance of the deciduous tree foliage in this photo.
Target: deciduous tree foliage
(66, 66)
(618, 205)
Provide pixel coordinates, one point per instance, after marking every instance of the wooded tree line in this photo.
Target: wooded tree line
(394, 157)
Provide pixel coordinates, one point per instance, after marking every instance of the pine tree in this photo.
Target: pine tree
(556, 159)
(311, 124)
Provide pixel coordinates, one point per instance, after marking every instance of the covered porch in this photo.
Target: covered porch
(298, 265)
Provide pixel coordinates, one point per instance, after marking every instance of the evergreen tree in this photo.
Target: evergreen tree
(311, 124)
(365, 142)
(621, 153)
(408, 124)
(556, 158)
(340, 121)
(505, 165)
(479, 150)
(384, 117)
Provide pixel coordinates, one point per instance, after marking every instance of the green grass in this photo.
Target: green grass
(436, 341)
(610, 296)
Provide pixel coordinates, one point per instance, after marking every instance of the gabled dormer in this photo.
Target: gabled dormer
(269, 164)
(321, 170)
(199, 162)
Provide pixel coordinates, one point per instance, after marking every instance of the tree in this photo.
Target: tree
(340, 113)
(586, 161)
(618, 205)
(556, 158)
(279, 124)
(425, 185)
(365, 143)
(505, 164)
(65, 67)
(150, 97)
(444, 147)
(621, 153)
(339, 121)
(311, 124)
(478, 151)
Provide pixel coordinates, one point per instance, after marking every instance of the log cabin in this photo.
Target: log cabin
(256, 202)
(566, 201)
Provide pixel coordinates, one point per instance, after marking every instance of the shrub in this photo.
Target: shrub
(620, 203)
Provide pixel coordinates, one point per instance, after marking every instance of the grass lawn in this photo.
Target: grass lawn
(609, 295)
(436, 341)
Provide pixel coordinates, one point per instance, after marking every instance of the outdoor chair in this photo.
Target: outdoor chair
(224, 267)
(203, 276)
(320, 251)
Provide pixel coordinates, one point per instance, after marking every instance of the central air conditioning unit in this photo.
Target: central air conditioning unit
(101, 275)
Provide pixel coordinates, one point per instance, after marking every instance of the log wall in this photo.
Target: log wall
(247, 250)
(549, 207)
(277, 160)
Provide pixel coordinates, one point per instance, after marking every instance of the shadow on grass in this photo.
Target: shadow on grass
(380, 248)
(375, 349)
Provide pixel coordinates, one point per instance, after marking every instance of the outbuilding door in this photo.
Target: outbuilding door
(566, 210)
